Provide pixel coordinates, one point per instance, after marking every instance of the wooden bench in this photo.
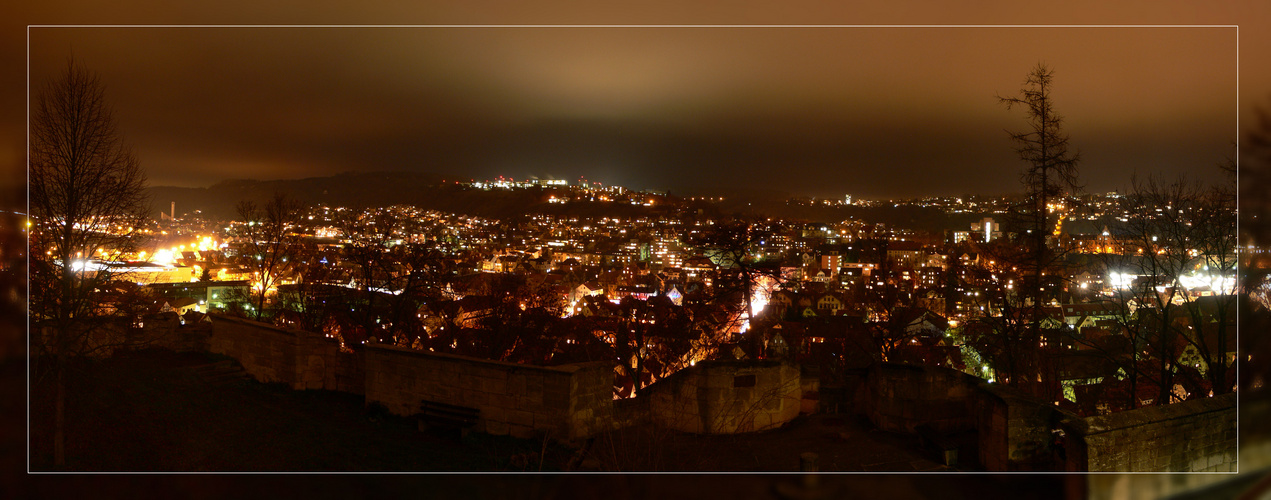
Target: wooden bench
(436, 415)
(946, 444)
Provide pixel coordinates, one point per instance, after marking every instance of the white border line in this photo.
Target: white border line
(28, 249)
(1237, 284)
(726, 26)
(633, 26)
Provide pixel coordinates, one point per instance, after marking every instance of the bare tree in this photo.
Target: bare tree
(309, 304)
(1007, 317)
(1156, 241)
(1255, 227)
(1179, 235)
(269, 243)
(1214, 243)
(424, 273)
(1050, 185)
(369, 238)
(736, 247)
(87, 196)
(1162, 234)
(1051, 175)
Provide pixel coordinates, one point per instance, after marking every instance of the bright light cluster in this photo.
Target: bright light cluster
(1120, 280)
(163, 256)
(1201, 280)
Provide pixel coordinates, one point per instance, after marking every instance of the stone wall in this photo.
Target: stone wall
(301, 359)
(569, 401)
(1192, 436)
(809, 389)
(1254, 458)
(1012, 432)
(898, 398)
(165, 330)
(1018, 433)
(590, 398)
(725, 397)
(630, 412)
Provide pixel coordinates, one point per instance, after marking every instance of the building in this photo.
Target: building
(986, 230)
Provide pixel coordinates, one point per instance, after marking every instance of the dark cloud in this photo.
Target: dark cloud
(822, 111)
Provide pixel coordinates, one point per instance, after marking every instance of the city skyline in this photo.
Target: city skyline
(878, 112)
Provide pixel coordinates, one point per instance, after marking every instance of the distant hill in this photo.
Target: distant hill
(350, 189)
(427, 191)
(907, 216)
(358, 190)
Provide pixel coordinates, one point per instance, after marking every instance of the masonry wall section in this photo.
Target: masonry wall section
(1012, 432)
(1192, 436)
(165, 330)
(569, 401)
(300, 359)
(1018, 433)
(899, 398)
(726, 397)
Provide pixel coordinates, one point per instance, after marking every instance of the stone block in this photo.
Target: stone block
(547, 420)
(450, 378)
(501, 400)
(497, 428)
(495, 386)
(494, 372)
(556, 383)
(556, 399)
(764, 420)
(460, 381)
(494, 413)
(533, 397)
(521, 431)
(520, 417)
(513, 384)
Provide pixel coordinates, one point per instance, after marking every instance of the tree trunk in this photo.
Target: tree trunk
(59, 415)
(1167, 375)
(1133, 373)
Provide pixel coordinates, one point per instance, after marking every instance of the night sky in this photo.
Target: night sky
(875, 112)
